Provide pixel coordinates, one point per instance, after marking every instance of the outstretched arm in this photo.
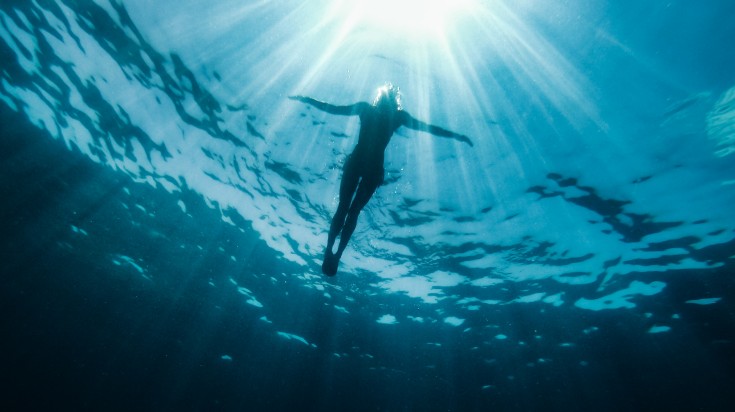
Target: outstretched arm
(353, 109)
(415, 124)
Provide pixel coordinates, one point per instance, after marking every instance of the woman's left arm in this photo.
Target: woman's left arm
(415, 124)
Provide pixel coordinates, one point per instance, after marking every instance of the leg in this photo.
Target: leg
(347, 188)
(364, 192)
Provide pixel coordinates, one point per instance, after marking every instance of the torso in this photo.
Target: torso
(376, 130)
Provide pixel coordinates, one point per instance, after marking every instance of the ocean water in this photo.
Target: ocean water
(165, 206)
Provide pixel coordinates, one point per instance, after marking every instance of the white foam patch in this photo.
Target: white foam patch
(413, 286)
(390, 247)
(486, 261)
(387, 320)
(486, 281)
(555, 300)
(341, 309)
(297, 338)
(250, 298)
(721, 124)
(427, 288)
(79, 230)
(534, 297)
(453, 320)
(622, 298)
(659, 329)
(705, 301)
(120, 260)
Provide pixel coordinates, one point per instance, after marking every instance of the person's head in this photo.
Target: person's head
(388, 98)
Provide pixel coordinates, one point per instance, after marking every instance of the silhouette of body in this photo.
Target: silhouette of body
(363, 170)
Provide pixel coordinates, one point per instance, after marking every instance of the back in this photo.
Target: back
(376, 128)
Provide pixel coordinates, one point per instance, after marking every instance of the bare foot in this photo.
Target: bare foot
(329, 267)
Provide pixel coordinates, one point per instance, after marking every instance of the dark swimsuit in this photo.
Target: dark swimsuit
(366, 161)
(371, 172)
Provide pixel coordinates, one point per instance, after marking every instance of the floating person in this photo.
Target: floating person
(363, 171)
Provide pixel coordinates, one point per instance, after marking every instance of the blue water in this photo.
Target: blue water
(166, 206)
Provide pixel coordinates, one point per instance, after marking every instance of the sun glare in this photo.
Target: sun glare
(409, 17)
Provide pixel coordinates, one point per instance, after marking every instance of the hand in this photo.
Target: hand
(465, 139)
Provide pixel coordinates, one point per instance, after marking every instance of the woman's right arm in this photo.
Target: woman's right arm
(353, 109)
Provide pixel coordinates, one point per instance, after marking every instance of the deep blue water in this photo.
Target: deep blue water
(165, 207)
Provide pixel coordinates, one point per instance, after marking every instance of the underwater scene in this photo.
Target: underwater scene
(538, 214)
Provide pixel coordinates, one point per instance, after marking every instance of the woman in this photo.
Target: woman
(363, 170)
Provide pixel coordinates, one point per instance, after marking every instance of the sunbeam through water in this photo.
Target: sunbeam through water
(558, 238)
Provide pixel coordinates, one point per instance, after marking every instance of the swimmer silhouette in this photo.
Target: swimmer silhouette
(363, 170)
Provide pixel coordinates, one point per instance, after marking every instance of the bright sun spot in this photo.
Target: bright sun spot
(409, 17)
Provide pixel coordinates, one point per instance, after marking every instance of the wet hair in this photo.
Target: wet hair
(388, 91)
